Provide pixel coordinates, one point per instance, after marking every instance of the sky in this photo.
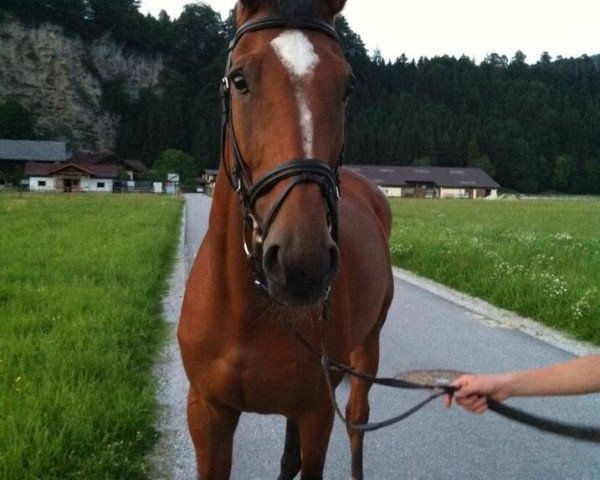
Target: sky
(475, 28)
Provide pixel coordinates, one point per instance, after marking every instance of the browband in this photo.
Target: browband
(276, 22)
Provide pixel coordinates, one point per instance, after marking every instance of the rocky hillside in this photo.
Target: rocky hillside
(63, 81)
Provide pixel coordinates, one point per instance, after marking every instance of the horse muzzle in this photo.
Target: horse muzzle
(297, 275)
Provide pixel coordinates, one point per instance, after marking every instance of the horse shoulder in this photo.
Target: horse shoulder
(367, 198)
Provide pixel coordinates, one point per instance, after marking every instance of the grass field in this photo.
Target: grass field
(81, 278)
(538, 258)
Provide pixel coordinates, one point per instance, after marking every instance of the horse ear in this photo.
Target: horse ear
(334, 7)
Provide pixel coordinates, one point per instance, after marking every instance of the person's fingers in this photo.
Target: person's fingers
(448, 400)
(479, 405)
(475, 404)
(472, 402)
(462, 386)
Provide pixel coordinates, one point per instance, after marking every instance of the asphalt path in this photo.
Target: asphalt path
(428, 326)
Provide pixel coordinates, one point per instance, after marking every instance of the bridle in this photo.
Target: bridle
(298, 170)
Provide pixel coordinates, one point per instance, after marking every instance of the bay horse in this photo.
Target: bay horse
(291, 236)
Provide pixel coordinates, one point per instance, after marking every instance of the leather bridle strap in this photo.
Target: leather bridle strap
(299, 171)
(277, 22)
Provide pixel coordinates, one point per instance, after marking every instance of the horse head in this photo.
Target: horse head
(285, 92)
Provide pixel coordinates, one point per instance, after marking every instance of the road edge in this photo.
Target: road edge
(497, 317)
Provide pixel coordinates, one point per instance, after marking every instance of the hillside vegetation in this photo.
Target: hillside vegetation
(531, 123)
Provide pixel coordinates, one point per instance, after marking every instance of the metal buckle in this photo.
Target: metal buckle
(225, 84)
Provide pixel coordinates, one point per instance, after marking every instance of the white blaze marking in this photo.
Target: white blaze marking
(297, 54)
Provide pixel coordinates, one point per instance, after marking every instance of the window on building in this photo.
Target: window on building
(99, 184)
(41, 183)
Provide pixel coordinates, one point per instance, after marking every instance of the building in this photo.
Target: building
(70, 177)
(46, 166)
(14, 154)
(430, 182)
(135, 169)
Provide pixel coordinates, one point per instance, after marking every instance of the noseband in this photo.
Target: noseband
(298, 171)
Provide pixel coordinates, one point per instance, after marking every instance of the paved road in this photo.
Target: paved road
(424, 330)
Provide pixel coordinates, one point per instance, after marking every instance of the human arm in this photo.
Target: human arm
(574, 377)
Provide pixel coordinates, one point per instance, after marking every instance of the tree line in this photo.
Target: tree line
(533, 126)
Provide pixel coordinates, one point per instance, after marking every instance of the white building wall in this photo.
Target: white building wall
(41, 184)
(96, 184)
(86, 184)
(452, 192)
(101, 185)
(391, 191)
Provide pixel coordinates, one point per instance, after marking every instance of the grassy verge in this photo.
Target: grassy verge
(538, 258)
(80, 284)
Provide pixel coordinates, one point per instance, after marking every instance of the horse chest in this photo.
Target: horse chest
(266, 380)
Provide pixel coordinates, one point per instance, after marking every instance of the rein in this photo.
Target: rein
(298, 171)
(430, 380)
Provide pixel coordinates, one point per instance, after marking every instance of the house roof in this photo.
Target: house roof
(29, 150)
(47, 170)
(97, 158)
(449, 177)
(136, 165)
(87, 158)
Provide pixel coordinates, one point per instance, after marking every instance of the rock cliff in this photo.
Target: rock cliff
(60, 80)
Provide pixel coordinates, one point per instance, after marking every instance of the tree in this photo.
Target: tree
(563, 169)
(485, 164)
(354, 47)
(200, 42)
(16, 122)
(175, 161)
(116, 16)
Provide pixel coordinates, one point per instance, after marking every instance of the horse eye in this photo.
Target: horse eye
(239, 82)
(350, 87)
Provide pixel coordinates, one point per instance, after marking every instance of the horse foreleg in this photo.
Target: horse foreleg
(291, 459)
(315, 430)
(365, 359)
(212, 427)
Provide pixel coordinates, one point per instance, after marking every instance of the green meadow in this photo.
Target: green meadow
(81, 279)
(539, 258)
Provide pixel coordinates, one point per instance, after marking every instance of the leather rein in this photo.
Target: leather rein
(296, 171)
(436, 381)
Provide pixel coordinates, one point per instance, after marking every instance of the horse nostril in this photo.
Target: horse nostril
(271, 262)
(334, 260)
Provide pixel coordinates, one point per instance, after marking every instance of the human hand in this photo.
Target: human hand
(473, 391)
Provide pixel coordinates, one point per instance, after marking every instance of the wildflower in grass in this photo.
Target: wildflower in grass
(505, 268)
(561, 236)
(476, 242)
(492, 255)
(552, 285)
(526, 238)
(543, 259)
(400, 249)
(584, 305)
